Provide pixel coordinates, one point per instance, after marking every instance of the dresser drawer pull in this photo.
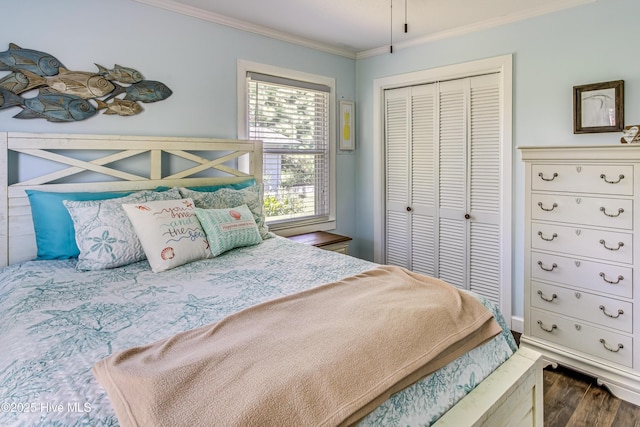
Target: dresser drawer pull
(604, 277)
(604, 178)
(541, 175)
(553, 266)
(555, 205)
(554, 326)
(613, 316)
(553, 296)
(553, 236)
(604, 211)
(604, 344)
(603, 243)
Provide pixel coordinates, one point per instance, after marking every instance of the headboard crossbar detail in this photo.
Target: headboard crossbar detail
(231, 160)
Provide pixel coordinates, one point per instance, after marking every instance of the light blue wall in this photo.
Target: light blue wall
(591, 43)
(195, 58)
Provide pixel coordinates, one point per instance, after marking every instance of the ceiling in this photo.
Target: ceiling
(362, 27)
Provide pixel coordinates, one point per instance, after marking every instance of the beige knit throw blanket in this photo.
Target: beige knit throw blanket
(323, 357)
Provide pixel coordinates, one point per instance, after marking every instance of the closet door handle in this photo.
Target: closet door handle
(409, 209)
(467, 216)
(604, 178)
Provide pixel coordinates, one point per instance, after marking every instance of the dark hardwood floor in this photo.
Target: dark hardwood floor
(572, 399)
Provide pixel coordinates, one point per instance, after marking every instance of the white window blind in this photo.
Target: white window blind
(291, 118)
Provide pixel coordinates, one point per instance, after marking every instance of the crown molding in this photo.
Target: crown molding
(484, 25)
(205, 15)
(245, 26)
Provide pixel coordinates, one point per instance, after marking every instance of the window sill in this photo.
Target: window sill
(292, 231)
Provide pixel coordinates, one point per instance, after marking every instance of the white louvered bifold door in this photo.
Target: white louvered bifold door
(452, 185)
(423, 164)
(410, 143)
(485, 187)
(397, 119)
(443, 181)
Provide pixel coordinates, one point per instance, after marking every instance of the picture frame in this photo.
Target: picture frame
(598, 107)
(347, 130)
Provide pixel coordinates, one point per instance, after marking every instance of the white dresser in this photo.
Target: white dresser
(582, 256)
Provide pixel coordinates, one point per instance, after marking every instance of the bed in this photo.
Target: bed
(57, 321)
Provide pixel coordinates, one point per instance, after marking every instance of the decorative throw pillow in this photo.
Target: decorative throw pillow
(104, 234)
(55, 235)
(228, 198)
(234, 185)
(229, 228)
(169, 231)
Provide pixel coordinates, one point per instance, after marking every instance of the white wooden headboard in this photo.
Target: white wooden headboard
(17, 239)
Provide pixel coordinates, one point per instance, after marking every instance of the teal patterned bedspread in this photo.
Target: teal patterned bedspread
(55, 323)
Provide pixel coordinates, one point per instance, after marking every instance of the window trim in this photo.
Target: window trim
(243, 66)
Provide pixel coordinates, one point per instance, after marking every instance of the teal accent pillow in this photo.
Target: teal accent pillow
(227, 229)
(55, 234)
(225, 198)
(234, 186)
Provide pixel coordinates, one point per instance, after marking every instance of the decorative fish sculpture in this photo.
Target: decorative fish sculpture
(18, 59)
(121, 107)
(16, 82)
(9, 99)
(49, 105)
(120, 74)
(79, 83)
(143, 91)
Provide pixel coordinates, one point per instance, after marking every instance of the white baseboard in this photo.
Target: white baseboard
(517, 324)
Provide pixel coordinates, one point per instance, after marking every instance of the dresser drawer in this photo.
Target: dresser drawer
(589, 178)
(606, 245)
(573, 334)
(595, 276)
(615, 213)
(607, 312)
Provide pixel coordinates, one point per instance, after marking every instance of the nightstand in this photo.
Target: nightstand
(324, 240)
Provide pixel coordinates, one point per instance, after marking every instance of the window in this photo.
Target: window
(293, 118)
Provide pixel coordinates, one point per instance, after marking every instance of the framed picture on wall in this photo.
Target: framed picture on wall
(347, 136)
(598, 107)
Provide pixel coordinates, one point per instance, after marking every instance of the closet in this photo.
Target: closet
(443, 181)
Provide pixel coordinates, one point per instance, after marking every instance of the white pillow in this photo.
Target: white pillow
(169, 231)
(229, 228)
(104, 234)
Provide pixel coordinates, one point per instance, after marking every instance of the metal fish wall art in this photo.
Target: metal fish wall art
(120, 74)
(144, 91)
(49, 105)
(68, 96)
(121, 107)
(18, 59)
(80, 83)
(15, 81)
